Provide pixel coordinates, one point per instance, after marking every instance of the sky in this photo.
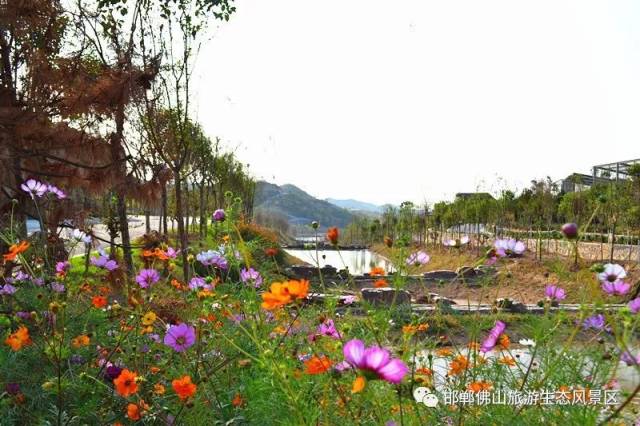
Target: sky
(417, 99)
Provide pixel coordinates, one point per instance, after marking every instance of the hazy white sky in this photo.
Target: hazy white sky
(386, 101)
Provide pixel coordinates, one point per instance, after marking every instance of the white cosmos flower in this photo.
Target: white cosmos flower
(527, 342)
(612, 273)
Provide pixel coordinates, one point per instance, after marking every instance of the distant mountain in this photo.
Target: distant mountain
(299, 207)
(356, 206)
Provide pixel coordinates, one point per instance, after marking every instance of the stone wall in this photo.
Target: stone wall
(587, 250)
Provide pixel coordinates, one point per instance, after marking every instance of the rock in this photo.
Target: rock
(308, 272)
(435, 298)
(466, 272)
(385, 296)
(442, 274)
(511, 305)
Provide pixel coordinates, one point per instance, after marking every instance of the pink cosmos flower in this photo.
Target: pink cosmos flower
(147, 277)
(171, 252)
(457, 242)
(374, 360)
(34, 188)
(554, 292)
(328, 328)
(52, 189)
(62, 267)
(180, 337)
(618, 287)
(629, 359)
(634, 305)
(418, 258)
(510, 247)
(491, 340)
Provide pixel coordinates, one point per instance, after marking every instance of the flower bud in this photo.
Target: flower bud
(570, 230)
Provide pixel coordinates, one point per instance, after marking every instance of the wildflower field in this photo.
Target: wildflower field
(151, 275)
(239, 342)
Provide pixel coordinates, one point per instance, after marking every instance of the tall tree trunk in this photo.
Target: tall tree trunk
(164, 210)
(147, 220)
(203, 219)
(181, 231)
(118, 156)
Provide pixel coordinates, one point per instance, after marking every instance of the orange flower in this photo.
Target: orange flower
(377, 271)
(281, 294)
(18, 339)
(444, 352)
(158, 389)
(424, 371)
(474, 346)
(458, 365)
(380, 283)
(126, 383)
(154, 370)
(237, 400)
(133, 412)
(504, 342)
(177, 284)
(409, 329)
(332, 235)
(476, 387)
(80, 341)
(184, 387)
(507, 360)
(15, 250)
(99, 301)
(271, 251)
(317, 365)
(358, 384)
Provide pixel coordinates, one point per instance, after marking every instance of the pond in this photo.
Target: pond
(357, 261)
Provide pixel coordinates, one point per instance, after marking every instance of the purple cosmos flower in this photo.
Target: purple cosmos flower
(375, 360)
(328, 328)
(198, 282)
(250, 275)
(12, 388)
(23, 315)
(180, 337)
(629, 359)
(77, 359)
(612, 273)
(492, 339)
(509, 247)
(219, 215)
(8, 289)
(147, 277)
(57, 287)
(21, 276)
(418, 258)
(39, 282)
(212, 258)
(634, 305)
(554, 292)
(596, 322)
(34, 188)
(618, 287)
(62, 267)
(104, 262)
(112, 372)
(52, 189)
